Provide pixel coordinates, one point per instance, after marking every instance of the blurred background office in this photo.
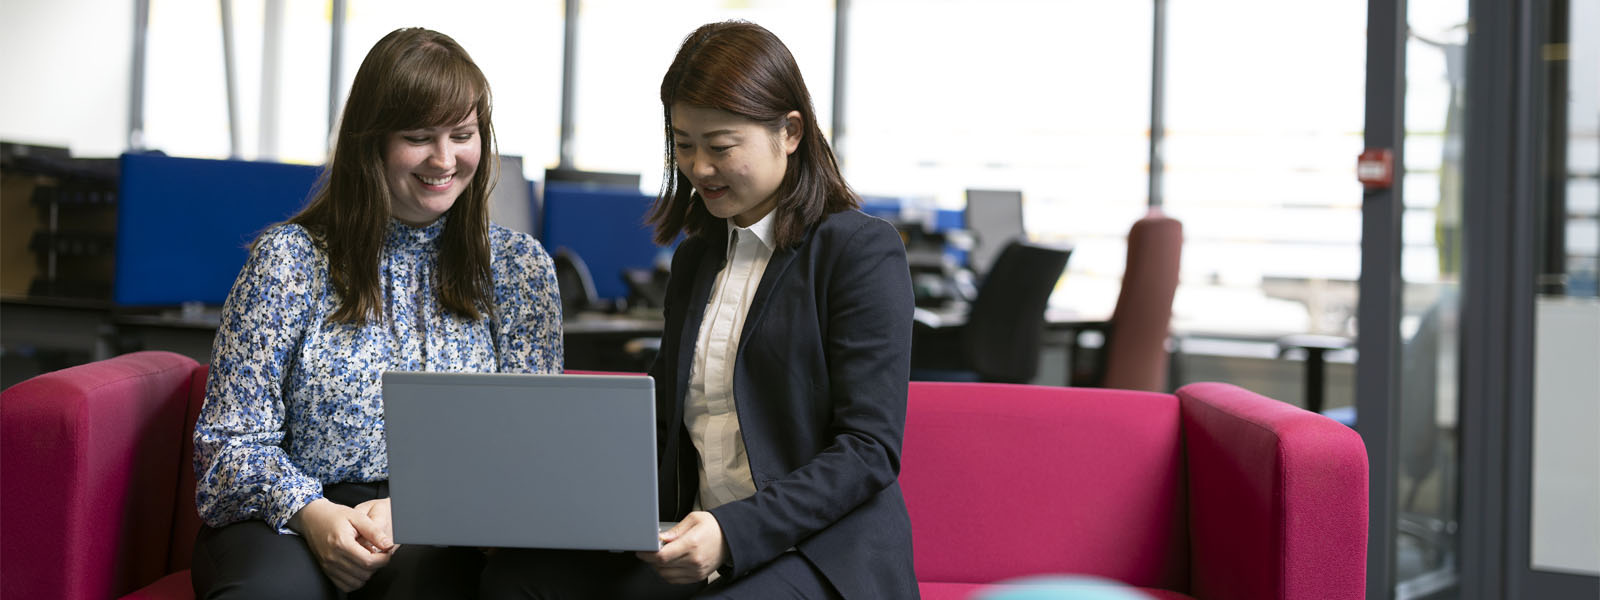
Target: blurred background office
(1449, 313)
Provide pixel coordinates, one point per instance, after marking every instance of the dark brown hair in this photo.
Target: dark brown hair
(413, 78)
(742, 68)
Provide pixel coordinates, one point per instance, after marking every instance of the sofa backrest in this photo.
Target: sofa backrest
(90, 456)
(1006, 480)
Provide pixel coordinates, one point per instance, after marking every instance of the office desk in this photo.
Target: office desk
(596, 341)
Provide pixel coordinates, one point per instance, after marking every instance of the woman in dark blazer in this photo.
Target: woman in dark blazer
(781, 382)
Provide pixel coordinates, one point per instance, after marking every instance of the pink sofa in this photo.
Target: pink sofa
(1211, 493)
(1214, 492)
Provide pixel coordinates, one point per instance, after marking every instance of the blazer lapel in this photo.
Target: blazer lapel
(779, 264)
(705, 275)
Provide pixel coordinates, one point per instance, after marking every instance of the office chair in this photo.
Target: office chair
(1134, 355)
(574, 282)
(999, 342)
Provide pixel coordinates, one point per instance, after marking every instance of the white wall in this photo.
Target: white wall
(1566, 449)
(66, 64)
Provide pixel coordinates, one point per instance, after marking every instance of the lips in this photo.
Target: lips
(437, 184)
(712, 192)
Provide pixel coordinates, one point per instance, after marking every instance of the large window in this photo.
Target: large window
(625, 46)
(516, 44)
(1264, 118)
(65, 64)
(186, 102)
(1050, 97)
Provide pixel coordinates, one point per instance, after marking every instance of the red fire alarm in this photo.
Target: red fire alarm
(1375, 168)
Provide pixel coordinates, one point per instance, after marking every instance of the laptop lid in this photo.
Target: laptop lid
(521, 460)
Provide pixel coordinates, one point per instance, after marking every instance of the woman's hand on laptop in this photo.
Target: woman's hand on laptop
(336, 534)
(690, 551)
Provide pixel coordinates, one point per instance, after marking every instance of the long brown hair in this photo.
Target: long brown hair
(742, 68)
(412, 78)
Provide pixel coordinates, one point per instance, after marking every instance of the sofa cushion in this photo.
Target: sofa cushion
(172, 587)
(1004, 480)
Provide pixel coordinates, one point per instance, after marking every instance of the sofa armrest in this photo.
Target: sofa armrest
(1277, 498)
(90, 459)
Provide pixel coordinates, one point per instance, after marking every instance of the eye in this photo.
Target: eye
(720, 149)
(684, 147)
(462, 137)
(415, 139)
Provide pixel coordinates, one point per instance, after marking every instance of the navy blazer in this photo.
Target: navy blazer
(820, 383)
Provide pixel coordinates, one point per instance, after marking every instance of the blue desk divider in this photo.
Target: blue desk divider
(604, 226)
(184, 225)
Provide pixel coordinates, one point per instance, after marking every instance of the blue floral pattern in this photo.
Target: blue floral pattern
(295, 401)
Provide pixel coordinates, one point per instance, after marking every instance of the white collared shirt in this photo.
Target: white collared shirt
(711, 414)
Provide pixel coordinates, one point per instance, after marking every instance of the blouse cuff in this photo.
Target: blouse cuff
(288, 499)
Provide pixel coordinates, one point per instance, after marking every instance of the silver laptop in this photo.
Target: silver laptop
(522, 461)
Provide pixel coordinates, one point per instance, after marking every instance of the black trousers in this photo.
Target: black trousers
(578, 575)
(250, 559)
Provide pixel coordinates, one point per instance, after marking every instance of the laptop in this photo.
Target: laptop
(522, 461)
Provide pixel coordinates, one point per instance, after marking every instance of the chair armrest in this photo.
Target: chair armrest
(91, 459)
(1277, 498)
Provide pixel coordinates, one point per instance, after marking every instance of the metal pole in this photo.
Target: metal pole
(271, 56)
(234, 144)
(1158, 99)
(335, 70)
(841, 43)
(141, 29)
(569, 87)
(1378, 309)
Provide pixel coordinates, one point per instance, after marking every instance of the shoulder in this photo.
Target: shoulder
(286, 244)
(851, 229)
(287, 237)
(515, 251)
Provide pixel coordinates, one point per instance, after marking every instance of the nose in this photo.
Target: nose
(700, 169)
(440, 155)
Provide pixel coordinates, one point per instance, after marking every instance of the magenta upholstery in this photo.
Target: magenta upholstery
(93, 464)
(1214, 492)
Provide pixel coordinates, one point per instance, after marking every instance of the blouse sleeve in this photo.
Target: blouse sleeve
(528, 303)
(241, 469)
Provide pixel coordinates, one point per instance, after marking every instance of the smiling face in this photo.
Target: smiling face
(427, 169)
(736, 164)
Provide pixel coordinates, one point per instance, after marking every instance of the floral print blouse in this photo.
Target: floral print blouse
(295, 401)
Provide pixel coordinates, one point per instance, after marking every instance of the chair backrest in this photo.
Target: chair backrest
(1001, 337)
(994, 217)
(1004, 480)
(91, 458)
(1136, 353)
(574, 282)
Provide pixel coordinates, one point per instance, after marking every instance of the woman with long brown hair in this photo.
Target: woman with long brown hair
(393, 265)
(782, 377)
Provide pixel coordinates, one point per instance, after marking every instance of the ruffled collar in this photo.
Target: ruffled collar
(401, 235)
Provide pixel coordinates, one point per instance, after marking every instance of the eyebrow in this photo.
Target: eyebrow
(676, 131)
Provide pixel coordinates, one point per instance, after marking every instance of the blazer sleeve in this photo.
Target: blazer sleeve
(867, 339)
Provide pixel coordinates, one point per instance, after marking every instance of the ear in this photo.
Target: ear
(793, 129)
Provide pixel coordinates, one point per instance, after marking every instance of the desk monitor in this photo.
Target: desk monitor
(592, 178)
(995, 218)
